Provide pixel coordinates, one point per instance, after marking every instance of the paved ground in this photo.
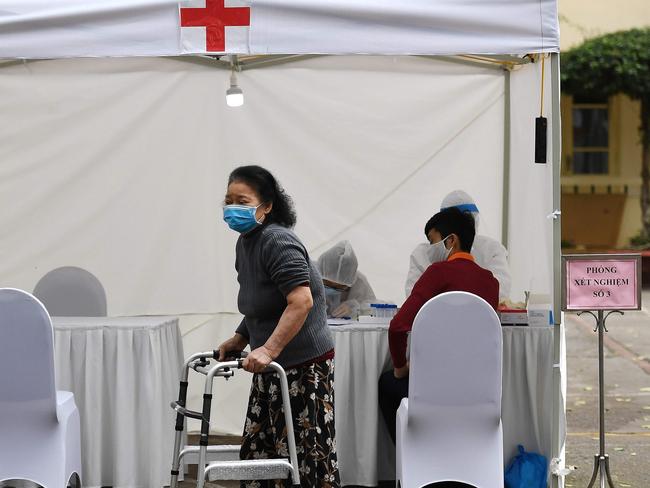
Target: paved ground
(627, 387)
(627, 380)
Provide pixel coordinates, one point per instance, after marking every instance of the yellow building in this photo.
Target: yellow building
(601, 165)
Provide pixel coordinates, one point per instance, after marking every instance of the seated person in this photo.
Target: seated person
(346, 288)
(488, 253)
(453, 269)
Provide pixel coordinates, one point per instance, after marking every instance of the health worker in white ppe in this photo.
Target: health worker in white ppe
(488, 252)
(346, 288)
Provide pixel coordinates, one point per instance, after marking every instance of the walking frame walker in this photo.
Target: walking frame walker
(207, 363)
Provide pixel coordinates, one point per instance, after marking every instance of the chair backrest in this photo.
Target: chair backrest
(456, 354)
(71, 292)
(26, 357)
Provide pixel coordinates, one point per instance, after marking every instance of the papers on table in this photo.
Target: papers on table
(363, 320)
(344, 321)
(367, 319)
(348, 325)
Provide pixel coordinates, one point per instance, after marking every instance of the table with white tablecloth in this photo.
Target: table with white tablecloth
(366, 453)
(123, 372)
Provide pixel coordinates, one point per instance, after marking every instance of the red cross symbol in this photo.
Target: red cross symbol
(215, 17)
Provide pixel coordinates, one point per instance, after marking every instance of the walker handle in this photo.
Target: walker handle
(185, 412)
(231, 355)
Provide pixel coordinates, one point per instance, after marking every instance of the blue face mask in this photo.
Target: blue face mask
(240, 218)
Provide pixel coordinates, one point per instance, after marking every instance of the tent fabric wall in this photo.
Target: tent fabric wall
(37, 29)
(119, 166)
(531, 191)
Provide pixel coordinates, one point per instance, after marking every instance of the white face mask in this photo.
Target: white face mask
(438, 252)
(332, 298)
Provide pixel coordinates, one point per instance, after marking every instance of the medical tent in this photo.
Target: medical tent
(117, 142)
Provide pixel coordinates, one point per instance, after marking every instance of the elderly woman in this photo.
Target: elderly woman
(346, 288)
(282, 299)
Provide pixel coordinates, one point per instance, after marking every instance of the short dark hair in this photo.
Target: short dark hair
(269, 191)
(453, 221)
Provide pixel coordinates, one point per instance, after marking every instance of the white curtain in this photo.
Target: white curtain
(119, 166)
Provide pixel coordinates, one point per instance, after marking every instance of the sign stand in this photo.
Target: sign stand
(600, 285)
(601, 460)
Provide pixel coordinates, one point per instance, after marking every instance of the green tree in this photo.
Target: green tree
(611, 64)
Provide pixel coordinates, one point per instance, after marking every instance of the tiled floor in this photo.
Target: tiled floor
(214, 439)
(190, 481)
(221, 484)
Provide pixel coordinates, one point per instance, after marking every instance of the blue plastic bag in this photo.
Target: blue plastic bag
(527, 470)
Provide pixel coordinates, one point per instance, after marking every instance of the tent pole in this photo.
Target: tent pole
(505, 215)
(556, 146)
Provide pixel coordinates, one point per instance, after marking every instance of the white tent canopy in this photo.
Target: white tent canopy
(75, 28)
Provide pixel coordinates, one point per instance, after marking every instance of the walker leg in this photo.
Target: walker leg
(205, 431)
(180, 425)
(175, 461)
(288, 420)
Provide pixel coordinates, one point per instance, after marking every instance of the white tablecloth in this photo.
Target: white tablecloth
(362, 440)
(527, 398)
(123, 372)
(365, 451)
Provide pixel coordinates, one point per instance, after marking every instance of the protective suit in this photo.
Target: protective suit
(488, 252)
(339, 266)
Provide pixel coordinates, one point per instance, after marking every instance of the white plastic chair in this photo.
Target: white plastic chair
(71, 292)
(449, 427)
(40, 434)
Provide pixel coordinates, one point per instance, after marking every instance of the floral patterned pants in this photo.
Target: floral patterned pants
(311, 391)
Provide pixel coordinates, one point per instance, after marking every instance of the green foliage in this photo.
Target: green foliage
(609, 64)
(640, 241)
(567, 244)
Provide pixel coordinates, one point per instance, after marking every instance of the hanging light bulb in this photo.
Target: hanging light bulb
(234, 94)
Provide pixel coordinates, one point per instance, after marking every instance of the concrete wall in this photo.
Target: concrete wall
(625, 171)
(579, 21)
(582, 19)
(629, 158)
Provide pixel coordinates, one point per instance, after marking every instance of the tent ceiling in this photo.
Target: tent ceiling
(246, 62)
(257, 61)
